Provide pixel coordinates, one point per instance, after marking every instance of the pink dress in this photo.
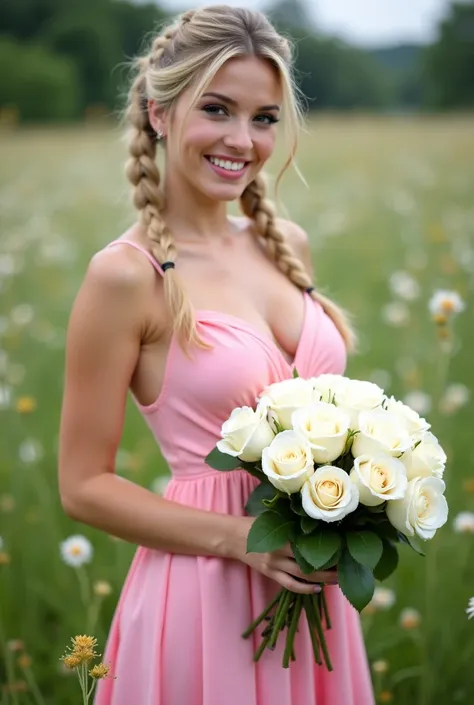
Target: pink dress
(176, 634)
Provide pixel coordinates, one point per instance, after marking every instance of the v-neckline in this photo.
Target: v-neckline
(237, 321)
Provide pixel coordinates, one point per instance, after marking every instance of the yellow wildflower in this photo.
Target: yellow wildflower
(101, 670)
(102, 588)
(26, 405)
(380, 666)
(83, 642)
(71, 661)
(410, 618)
(15, 645)
(440, 319)
(7, 503)
(469, 485)
(385, 696)
(24, 661)
(15, 687)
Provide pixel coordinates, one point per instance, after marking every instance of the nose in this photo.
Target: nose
(239, 137)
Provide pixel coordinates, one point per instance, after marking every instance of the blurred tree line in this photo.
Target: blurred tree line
(62, 60)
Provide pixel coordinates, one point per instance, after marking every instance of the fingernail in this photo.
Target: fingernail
(317, 588)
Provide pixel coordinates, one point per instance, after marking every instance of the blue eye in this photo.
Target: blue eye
(213, 109)
(271, 119)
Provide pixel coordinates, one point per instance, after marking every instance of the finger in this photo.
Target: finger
(290, 583)
(290, 566)
(329, 577)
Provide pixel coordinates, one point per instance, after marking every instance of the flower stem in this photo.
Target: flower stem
(30, 679)
(315, 618)
(280, 617)
(262, 616)
(324, 605)
(312, 634)
(290, 637)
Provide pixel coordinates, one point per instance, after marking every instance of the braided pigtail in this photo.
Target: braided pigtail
(148, 197)
(261, 210)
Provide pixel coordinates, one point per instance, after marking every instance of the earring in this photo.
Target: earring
(159, 135)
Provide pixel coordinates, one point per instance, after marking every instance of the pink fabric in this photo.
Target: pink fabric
(176, 634)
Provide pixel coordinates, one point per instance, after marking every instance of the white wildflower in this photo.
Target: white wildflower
(418, 401)
(410, 618)
(383, 598)
(76, 550)
(30, 451)
(470, 608)
(404, 285)
(22, 315)
(446, 303)
(396, 314)
(160, 484)
(455, 397)
(464, 523)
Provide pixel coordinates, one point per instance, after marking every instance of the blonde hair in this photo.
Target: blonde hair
(189, 52)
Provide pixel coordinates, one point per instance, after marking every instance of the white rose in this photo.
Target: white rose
(426, 460)
(422, 511)
(246, 433)
(380, 432)
(379, 478)
(325, 428)
(412, 421)
(329, 495)
(287, 396)
(359, 395)
(325, 386)
(288, 462)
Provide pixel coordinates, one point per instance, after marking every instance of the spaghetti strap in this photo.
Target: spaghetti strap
(141, 249)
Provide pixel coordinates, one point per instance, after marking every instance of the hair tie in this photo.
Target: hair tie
(167, 265)
(309, 289)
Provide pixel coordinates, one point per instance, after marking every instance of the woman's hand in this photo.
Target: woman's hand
(281, 566)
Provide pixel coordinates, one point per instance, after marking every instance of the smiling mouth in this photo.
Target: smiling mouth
(229, 165)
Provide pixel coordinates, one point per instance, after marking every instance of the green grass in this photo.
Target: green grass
(384, 195)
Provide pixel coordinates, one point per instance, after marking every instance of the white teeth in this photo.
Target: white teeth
(226, 164)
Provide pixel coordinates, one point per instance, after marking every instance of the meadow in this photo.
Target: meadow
(390, 212)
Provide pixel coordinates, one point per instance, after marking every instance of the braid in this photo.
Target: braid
(261, 210)
(148, 197)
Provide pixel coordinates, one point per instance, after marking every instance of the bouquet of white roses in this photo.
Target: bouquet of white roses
(345, 474)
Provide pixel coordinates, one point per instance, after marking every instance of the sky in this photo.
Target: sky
(364, 22)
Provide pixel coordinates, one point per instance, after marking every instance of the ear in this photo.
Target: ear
(157, 116)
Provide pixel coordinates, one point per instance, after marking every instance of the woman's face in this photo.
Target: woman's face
(230, 133)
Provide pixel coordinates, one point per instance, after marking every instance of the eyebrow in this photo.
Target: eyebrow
(231, 101)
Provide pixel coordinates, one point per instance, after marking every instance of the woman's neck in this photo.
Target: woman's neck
(193, 217)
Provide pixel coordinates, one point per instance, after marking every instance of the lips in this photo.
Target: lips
(226, 173)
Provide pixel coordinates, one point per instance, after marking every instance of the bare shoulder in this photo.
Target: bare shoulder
(119, 268)
(298, 240)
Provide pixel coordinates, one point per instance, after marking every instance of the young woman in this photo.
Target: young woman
(196, 312)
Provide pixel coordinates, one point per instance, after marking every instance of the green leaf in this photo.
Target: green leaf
(308, 524)
(295, 373)
(269, 532)
(306, 567)
(388, 562)
(332, 562)
(318, 548)
(415, 543)
(365, 547)
(379, 509)
(387, 531)
(254, 505)
(222, 461)
(356, 581)
(297, 507)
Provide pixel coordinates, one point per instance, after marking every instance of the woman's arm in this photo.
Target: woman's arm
(106, 329)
